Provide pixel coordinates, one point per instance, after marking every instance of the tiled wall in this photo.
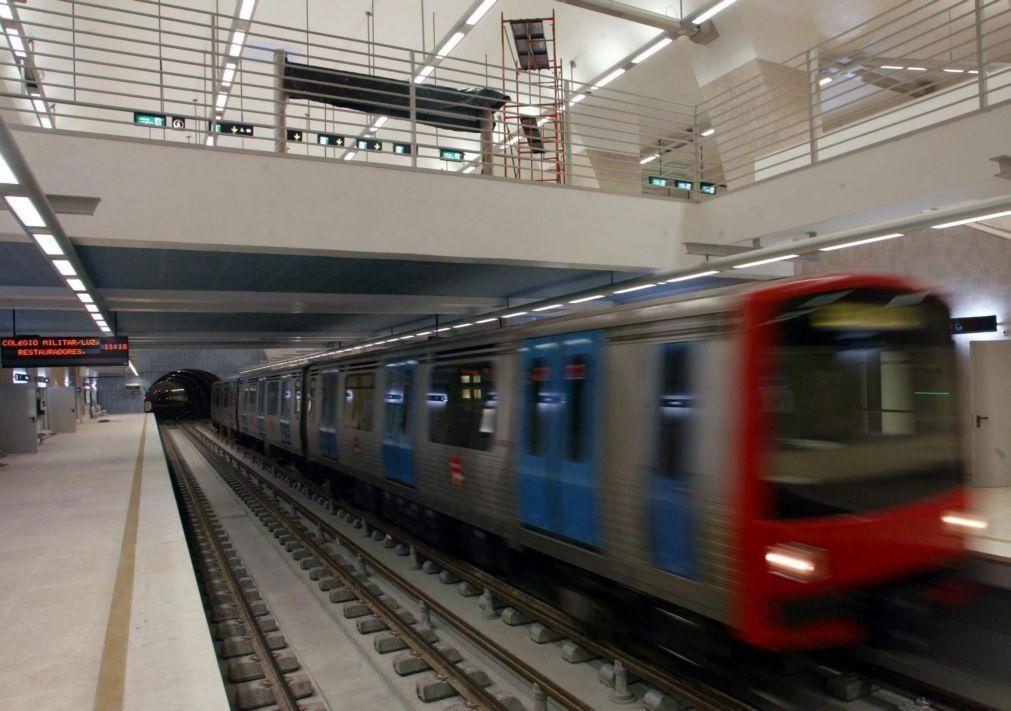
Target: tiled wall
(152, 364)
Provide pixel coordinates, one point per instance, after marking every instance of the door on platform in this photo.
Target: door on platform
(18, 419)
(991, 412)
(62, 408)
(398, 420)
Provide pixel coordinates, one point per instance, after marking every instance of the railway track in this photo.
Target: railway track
(883, 686)
(264, 676)
(270, 490)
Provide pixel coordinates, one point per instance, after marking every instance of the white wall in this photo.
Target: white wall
(191, 196)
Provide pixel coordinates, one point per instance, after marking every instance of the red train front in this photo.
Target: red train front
(851, 471)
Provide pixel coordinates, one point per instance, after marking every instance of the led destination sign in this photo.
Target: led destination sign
(46, 351)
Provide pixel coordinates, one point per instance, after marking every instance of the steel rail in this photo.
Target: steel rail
(190, 490)
(697, 693)
(459, 679)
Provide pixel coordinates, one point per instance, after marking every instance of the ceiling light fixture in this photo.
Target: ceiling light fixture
(630, 289)
(969, 220)
(85, 298)
(576, 99)
(824, 81)
(891, 66)
(45, 122)
(651, 50)
(916, 69)
(92, 308)
(475, 17)
(770, 260)
(26, 211)
(245, 12)
(697, 275)
(869, 240)
(76, 284)
(609, 78)
(515, 314)
(64, 267)
(379, 123)
(713, 11)
(48, 244)
(228, 75)
(649, 159)
(487, 320)
(236, 47)
(548, 308)
(463, 325)
(219, 105)
(584, 299)
(708, 132)
(424, 73)
(450, 45)
(16, 42)
(7, 176)
(952, 70)
(349, 156)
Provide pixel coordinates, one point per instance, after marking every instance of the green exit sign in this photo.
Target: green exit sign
(450, 154)
(156, 120)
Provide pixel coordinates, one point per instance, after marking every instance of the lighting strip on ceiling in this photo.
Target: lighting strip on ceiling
(25, 62)
(244, 10)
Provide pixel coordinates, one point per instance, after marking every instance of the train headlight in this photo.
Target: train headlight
(797, 561)
(960, 522)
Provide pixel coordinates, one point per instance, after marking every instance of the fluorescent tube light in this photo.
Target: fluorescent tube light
(5, 11)
(209, 141)
(64, 267)
(7, 176)
(45, 122)
(882, 238)
(916, 69)
(85, 297)
(105, 329)
(245, 12)
(48, 244)
(713, 11)
(633, 288)
(708, 132)
(379, 122)
(443, 330)
(760, 262)
(76, 284)
(891, 66)
(423, 333)
(953, 70)
(824, 80)
(16, 43)
(609, 78)
(576, 99)
(487, 320)
(228, 75)
(349, 156)
(26, 211)
(219, 105)
(515, 314)
(649, 159)
(475, 17)
(956, 223)
(236, 47)
(92, 308)
(588, 298)
(450, 45)
(697, 275)
(463, 325)
(40, 106)
(470, 169)
(423, 74)
(98, 317)
(651, 50)
(549, 308)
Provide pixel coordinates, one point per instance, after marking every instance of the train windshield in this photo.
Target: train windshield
(861, 397)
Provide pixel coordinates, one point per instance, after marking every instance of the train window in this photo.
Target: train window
(397, 406)
(298, 396)
(462, 405)
(677, 411)
(261, 397)
(329, 415)
(358, 395)
(538, 402)
(273, 388)
(577, 382)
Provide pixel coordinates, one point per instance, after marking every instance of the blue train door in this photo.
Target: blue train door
(671, 519)
(327, 418)
(558, 435)
(287, 408)
(398, 416)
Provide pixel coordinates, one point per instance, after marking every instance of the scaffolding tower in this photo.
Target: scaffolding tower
(532, 141)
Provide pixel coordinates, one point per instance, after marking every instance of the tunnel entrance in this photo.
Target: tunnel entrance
(181, 394)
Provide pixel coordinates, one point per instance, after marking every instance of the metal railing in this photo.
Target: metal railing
(157, 71)
(915, 66)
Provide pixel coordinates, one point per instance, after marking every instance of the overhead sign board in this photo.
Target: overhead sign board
(708, 188)
(659, 182)
(403, 149)
(329, 139)
(233, 128)
(451, 154)
(55, 351)
(369, 144)
(683, 184)
(974, 324)
(142, 118)
(296, 135)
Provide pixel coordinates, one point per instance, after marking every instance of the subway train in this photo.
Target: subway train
(780, 461)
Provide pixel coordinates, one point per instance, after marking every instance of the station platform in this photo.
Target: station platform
(98, 601)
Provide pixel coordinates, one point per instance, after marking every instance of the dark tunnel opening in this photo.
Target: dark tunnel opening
(181, 394)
